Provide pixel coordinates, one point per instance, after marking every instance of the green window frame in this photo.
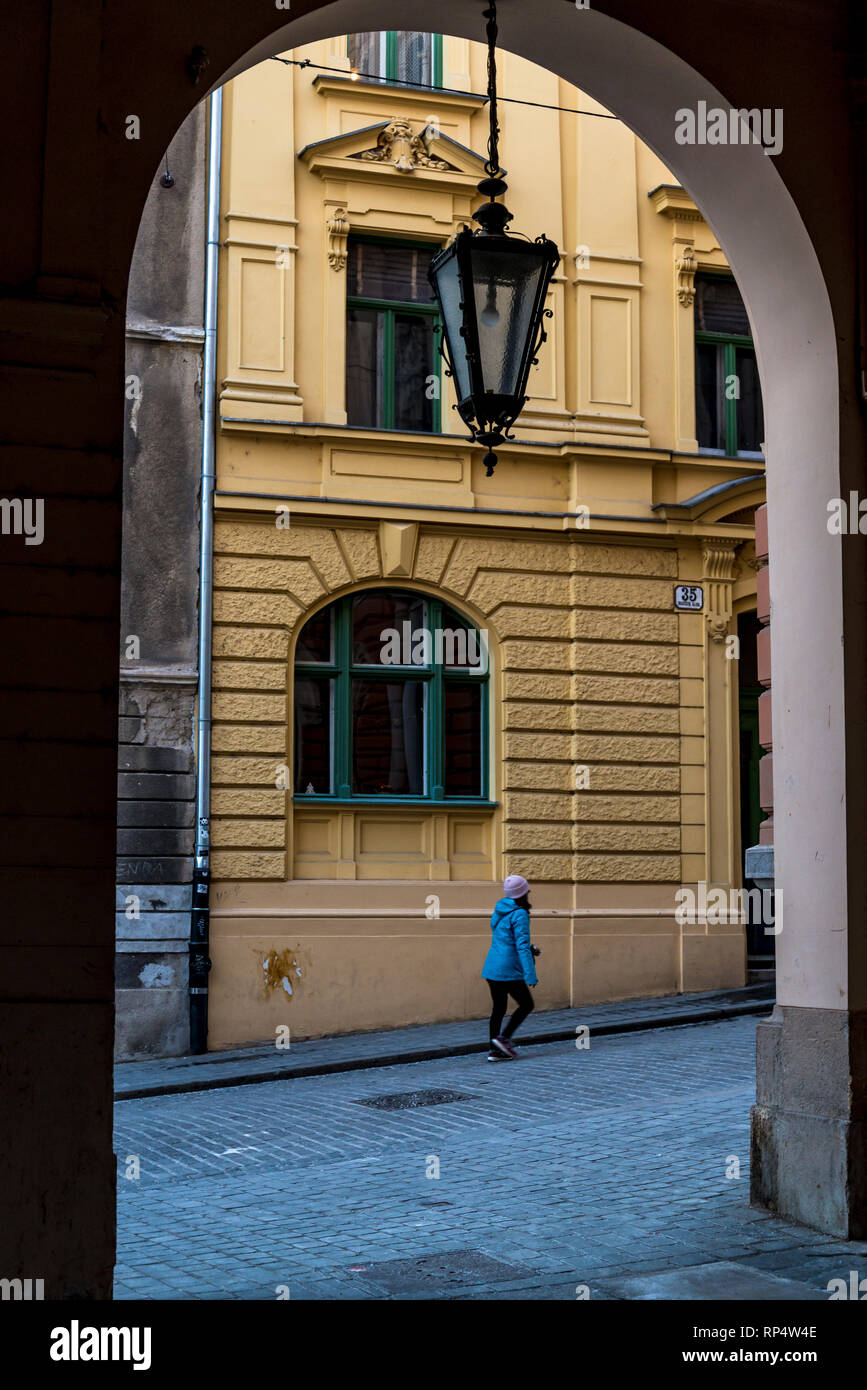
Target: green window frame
(341, 671)
(390, 309)
(389, 57)
(728, 345)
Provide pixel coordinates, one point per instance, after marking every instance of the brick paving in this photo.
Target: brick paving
(568, 1167)
(318, 1056)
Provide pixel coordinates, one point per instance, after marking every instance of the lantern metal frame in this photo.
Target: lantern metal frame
(489, 415)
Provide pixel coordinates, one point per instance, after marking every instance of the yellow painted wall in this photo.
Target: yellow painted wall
(379, 916)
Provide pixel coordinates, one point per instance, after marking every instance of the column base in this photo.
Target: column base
(808, 1140)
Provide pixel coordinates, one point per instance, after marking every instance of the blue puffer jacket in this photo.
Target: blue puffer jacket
(510, 957)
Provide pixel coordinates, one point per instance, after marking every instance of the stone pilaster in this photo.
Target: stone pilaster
(720, 677)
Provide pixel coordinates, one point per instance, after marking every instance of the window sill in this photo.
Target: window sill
(336, 84)
(422, 803)
(396, 430)
(746, 454)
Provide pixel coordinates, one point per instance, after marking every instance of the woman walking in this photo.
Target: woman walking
(509, 967)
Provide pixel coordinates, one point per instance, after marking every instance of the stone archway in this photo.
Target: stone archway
(744, 199)
(81, 192)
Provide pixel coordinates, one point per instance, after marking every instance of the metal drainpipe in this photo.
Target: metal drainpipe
(200, 962)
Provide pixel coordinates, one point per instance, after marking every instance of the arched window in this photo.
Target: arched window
(391, 701)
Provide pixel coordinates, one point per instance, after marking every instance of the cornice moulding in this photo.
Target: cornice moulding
(611, 283)
(159, 675)
(260, 217)
(252, 245)
(360, 512)
(673, 201)
(366, 90)
(714, 502)
(165, 332)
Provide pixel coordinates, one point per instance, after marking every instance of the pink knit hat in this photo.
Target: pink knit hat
(515, 886)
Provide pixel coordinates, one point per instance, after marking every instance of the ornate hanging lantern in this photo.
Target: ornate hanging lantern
(491, 288)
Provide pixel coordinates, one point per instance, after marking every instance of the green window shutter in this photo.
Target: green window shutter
(391, 56)
(731, 405)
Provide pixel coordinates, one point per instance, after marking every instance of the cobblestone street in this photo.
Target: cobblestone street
(570, 1167)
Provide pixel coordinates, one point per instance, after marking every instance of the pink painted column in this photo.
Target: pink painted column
(766, 784)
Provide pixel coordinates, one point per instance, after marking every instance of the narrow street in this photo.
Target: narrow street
(602, 1168)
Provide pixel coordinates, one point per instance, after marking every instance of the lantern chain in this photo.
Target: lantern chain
(492, 163)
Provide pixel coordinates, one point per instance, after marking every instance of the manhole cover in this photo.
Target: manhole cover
(431, 1273)
(413, 1100)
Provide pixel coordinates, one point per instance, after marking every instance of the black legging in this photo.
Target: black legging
(500, 991)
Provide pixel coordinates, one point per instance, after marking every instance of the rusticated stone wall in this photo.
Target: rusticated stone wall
(592, 670)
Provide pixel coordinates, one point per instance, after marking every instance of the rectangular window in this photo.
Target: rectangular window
(365, 366)
(750, 422)
(397, 56)
(389, 270)
(392, 363)
(710, 424)
(728, 401)
(414, 348)
(366, 53)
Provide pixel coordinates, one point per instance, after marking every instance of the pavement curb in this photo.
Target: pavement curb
(676, 1019)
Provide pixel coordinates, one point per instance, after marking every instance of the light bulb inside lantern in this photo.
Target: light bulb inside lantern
(490, 315)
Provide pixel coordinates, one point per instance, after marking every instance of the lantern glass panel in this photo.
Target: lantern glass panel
(449, 295)
(505, 285)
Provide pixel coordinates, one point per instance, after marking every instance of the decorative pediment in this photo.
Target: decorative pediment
(397, 148)
(397, 144)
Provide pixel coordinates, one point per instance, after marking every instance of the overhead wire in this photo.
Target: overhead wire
(437, 87)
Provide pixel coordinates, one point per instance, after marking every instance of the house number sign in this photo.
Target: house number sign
(689, 597)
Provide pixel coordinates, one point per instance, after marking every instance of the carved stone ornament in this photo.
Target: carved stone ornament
(398, 145)
(686, 267)
(718, 626)
(337, 227)
(718, 575)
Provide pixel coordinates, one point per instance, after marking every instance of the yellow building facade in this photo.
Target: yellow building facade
(599, 752)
